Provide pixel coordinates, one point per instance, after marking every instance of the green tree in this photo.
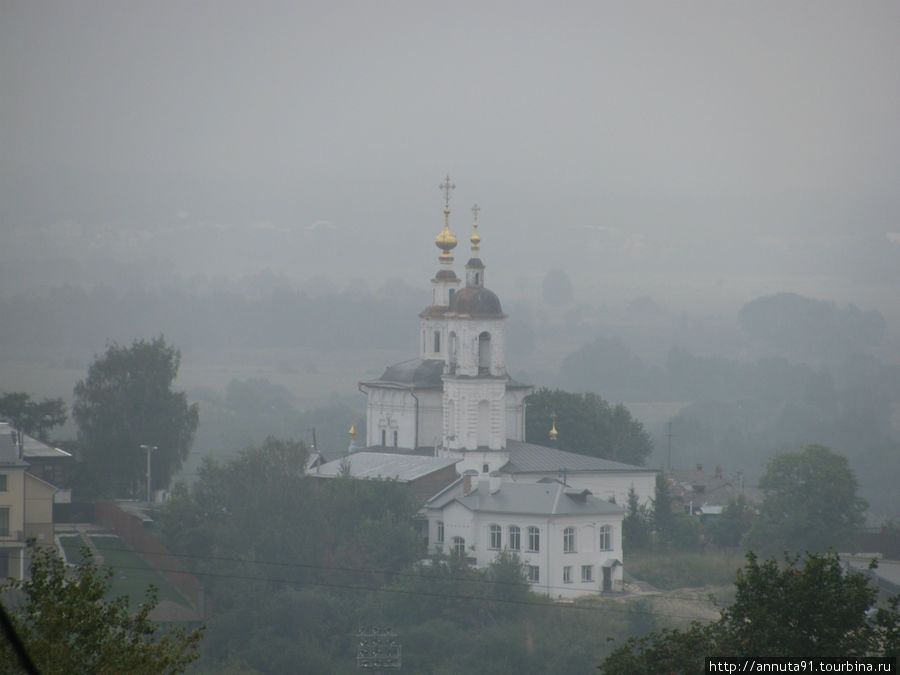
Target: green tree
(587, 425)
(731, 525)
(661, 513)
(32, 417)
(636, 525)
(125, 402)
(67, 625)
(805, 608)
(811, 503)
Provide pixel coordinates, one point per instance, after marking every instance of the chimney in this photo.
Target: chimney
(467, 480)
(495, 481)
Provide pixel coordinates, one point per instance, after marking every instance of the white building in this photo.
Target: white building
(569, 541)
(456, 401)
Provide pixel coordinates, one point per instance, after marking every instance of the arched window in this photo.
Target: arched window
(459, 546)
(605, 538)
(396, 437)
(515, 542)
(440, 532)
(451, 358)
(496, 539)
(534, 539)
(484, 353)
(569, 540)
(384, 436)
(437, 342)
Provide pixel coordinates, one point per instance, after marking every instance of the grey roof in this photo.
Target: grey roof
(9, 452)
(539, 499)
(420, 373)
(476, 301)
(34, 448)
(389, 466)
(531, 458)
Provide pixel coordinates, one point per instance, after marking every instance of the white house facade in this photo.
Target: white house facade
(569, 541)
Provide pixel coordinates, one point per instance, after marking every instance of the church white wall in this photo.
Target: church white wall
(515, 414)
(469, 423)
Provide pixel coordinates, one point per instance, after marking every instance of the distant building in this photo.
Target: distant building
(456, 401)
(569, 541)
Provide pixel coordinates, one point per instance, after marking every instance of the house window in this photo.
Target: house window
(496, 537)
(567, 574)
(569, 540)
(534, 539)
(605, 538)
(395, 438)
(2, 482)
(587, 573)
(459, 546)
(437, 341)
(514, 538)
(534, 574)
(440, 532)
(4, 564)
(4, 522)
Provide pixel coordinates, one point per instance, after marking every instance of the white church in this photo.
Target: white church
(455, 401)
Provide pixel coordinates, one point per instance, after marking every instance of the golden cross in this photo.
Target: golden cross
(446, 186)
(476, 210)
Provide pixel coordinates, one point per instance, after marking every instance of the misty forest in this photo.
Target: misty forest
(276, 397)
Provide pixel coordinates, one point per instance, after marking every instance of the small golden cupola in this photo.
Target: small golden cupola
(554, 434)
(475, 268)
(445, 240)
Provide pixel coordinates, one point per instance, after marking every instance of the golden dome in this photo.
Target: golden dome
(445, 240)
(475, 239)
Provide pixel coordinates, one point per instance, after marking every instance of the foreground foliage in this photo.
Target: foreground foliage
(807, 608)
(67, 626)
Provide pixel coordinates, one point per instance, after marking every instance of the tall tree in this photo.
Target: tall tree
(587, 425)
(35, 418)
(811, 503)
(67, 626)
(127, 402)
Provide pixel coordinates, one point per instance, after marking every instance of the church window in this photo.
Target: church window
(605, 538)
(484, 353)
(459, 546)
(496, 538)
(534, 539)
(485, 468)
(437, 342)
(514, 538)
(567, 574)
(587, 573)
(569, 540)
(440, 532)
(476, 278)
(534, 574)
(396, 436)
(384, 437)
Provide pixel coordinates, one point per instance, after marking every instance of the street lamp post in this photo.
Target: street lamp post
(148, 448)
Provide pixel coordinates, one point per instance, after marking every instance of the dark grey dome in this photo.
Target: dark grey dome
(476, 302)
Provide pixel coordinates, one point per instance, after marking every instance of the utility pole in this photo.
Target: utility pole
(149, 448)
(669, 438)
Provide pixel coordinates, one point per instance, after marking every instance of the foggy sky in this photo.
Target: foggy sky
(684, 150)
